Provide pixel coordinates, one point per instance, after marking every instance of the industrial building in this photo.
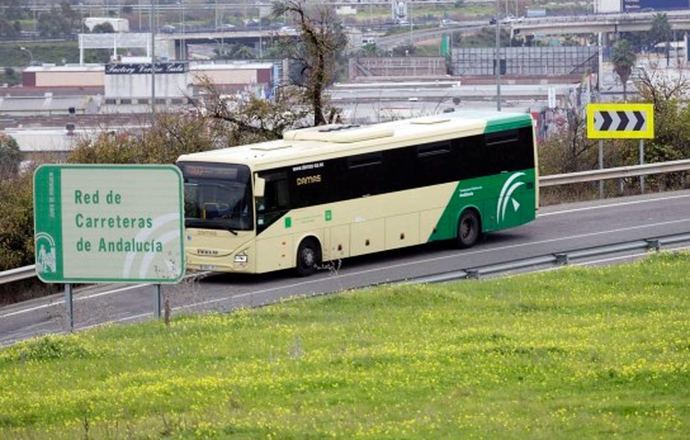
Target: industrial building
(615, 6)
(129, 81)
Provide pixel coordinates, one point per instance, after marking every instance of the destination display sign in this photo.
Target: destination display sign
(144, 68)
(108, 223)
(620, 121)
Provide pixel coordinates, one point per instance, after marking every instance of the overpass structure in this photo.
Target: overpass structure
(604, 23)
(174, 46)
(180, 41)
(558, 25)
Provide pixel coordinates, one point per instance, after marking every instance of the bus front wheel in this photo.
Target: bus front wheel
(308, 257)
(469, 229)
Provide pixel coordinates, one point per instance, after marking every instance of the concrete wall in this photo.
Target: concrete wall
(139, 86)
(248, 76)
(69, 79)
(63, 76)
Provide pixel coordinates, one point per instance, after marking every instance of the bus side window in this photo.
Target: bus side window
(365, 175)
(500, 150)
(275, 202)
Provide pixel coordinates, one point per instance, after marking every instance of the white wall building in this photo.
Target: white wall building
(118, 24)
(125, 82)
(608, 6)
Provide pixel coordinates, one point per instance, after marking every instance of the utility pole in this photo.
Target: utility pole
(153, 62)
(498, 56)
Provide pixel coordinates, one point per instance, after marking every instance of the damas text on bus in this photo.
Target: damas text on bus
(306, 180)
(126, 243)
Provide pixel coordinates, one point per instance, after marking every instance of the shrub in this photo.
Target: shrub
(10, 156)
(16, 222)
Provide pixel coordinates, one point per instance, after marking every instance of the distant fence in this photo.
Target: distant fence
(547, 61)
(397, 66)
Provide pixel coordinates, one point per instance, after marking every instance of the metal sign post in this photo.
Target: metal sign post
(620, 121)
(157, 312)
(69, 307)
(642, 162)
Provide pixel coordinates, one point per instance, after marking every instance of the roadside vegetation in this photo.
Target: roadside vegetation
(575, 353)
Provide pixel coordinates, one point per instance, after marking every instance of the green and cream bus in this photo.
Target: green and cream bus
(337, 191)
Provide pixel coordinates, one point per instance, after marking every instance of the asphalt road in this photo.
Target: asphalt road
(562, 228)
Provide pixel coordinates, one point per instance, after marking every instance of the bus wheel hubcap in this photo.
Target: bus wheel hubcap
(466, 228)
(307, 257)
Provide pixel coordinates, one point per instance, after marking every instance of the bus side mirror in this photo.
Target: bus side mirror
(259, 186)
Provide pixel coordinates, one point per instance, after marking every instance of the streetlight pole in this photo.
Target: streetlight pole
(409, 17)
(498, 56)
(31, 57)
(182, 54)
(153, 62)
(183, 49)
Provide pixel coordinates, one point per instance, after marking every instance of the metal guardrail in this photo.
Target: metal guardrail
(26, 272)
(18, 274)
(556, 259)
(615, 173)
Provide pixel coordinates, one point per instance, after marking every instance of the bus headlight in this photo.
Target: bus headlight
(241, 258)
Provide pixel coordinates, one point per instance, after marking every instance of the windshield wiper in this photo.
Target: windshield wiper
(196, 223)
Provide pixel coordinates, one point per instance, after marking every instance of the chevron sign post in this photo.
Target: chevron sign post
(620, 121)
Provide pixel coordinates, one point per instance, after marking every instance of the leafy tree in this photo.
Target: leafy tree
(53, 24)
(10, 156)
(660, 31)
(170, 136)
(623, 59)
(323, 41)
(103, 28)
(16, 221)
(671, 118)
(59, 21)
(235, 51)
(9, 29)
(404, 51)
(12, 9)
(370, 50)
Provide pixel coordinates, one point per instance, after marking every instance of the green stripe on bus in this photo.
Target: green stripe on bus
(510, 122)
(503, 201)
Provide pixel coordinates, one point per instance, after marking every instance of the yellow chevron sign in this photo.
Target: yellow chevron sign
(620, 121)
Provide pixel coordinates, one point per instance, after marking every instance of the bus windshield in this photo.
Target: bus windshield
(217, 196)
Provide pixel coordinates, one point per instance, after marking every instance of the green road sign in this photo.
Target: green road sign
(108, 223)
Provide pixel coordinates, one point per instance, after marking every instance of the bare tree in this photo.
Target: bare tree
(244, 118)
(657, 87)
(322, 41)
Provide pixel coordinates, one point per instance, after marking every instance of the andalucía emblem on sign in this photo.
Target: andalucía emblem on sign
(620, 121)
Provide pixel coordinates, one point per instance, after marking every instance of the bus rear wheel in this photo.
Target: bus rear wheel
(469, 229)
(308, 257)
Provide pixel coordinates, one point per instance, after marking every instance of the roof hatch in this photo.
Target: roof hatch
(270, 147)
(338, 133)
(428, 120)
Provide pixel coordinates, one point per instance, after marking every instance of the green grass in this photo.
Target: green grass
(575, 353)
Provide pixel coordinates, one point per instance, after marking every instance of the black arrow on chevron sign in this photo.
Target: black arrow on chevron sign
(607, 121)
(640, 120)
(623, 120)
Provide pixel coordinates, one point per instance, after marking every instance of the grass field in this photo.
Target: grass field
(574, 353)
